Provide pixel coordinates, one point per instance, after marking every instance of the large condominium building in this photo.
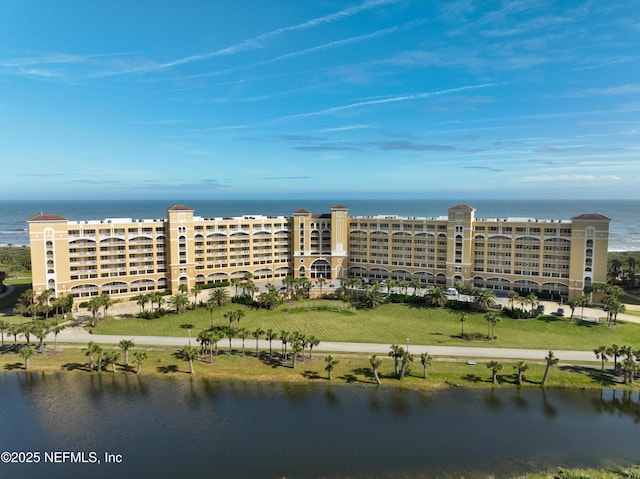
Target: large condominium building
(125, 257)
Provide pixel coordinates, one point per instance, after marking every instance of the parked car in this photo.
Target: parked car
(560, 312)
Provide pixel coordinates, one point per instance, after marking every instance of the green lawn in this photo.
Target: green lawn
(391, 324)
(351, 369)
(21, 284)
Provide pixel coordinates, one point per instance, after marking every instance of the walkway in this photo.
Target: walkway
(79, 335)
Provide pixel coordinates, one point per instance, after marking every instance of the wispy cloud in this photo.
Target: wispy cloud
(344, 128)
(287, 178)
(568, 178)
(481, 168)
(327, 148)
(410, 146)
(259, 41)
(394, 99)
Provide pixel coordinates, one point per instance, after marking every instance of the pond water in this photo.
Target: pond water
(193, 427)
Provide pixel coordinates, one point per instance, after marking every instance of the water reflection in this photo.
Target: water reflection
(322, 430)
(624, 403)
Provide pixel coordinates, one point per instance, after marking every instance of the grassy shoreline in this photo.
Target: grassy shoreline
(443, 372)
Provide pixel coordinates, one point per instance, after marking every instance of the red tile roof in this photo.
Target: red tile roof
(462, 207)
(591, 217)
(302, 211)
(339, 206)
(43, 217)
(180, 208)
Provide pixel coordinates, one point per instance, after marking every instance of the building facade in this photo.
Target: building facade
(125, 257)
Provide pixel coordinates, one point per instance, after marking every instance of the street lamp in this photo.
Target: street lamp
(407, 344)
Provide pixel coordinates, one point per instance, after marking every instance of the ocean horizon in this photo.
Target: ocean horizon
(624, 231)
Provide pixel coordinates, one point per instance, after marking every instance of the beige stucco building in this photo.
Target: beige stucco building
(125, 257)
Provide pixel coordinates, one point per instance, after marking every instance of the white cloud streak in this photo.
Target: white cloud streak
(395, 99)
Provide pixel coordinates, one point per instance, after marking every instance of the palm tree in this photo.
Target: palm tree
(196, 290)
(214, 339)
(629, 369)
(484, 298)
(583, 301)
(551, 361)
(111, 356)
(183, 288)
(284, 337)
(514, 297)
(139, 356)
(521, 367)
(321, 282)
(43, 302)
(375, 362)
(256, 334)
(269, 335)
(89, 351)
(425, 360)
(371, 297)
(243, 333)
(26, 352)
(141, 300)
(179, 301)
(331, 364)
(492, 319)
(313, 342)
(601, 353)
(14, 330)
(40, 331)
(94, 306)
(495, 367)
(532, 299)
(437, 296)
(4, 325)
(269, 299)
(230, 331)
(573, 303)
(106, 302)
(463, 318)
(396, 353)
(56, 329)
(220, 296)
(239, 314)
(190, 353)
(405, 360)
(211, 307)
(26, 329)
(614, 351)
(296, 347)
(125, 345)
(415, 284)
(99, 353)
(156, 297)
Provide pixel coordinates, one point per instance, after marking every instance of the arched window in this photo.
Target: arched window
(322, 268)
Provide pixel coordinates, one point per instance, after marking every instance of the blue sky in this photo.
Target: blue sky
(323, 99)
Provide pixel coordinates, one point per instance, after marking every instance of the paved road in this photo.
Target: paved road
(78, 335)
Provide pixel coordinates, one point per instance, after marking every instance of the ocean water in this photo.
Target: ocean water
(624, 228)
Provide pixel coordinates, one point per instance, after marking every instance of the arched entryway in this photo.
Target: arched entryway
(322, 268)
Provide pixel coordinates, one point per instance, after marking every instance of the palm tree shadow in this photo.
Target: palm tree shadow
(274, 362)
(596, 375)
(13, 366)
(474, 378)
(75, 367)
(170, 368)
(349, 378)
(311, 375)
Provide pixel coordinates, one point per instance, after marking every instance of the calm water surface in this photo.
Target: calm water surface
(192, 427)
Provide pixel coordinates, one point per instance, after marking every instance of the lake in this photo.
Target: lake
(194, 427)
